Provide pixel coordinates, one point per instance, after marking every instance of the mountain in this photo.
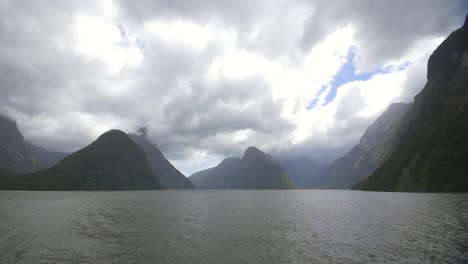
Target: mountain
(46, 158)
(172, 178)
(305, 172)
(433, 152)
(112, 162)
(254, 170)
(375, 147)
(14, 155)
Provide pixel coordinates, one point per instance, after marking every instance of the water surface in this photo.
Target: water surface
(300, 226)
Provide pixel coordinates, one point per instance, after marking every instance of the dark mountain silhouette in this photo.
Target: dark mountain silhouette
(432, 155)
(112, 162)
(254, 170)
(171, 177)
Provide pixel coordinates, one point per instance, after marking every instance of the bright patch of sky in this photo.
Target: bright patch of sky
(348, 73)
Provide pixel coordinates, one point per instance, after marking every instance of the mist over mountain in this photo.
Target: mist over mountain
(255, 170)
(375, 146)
(112, 162)
(432, 155)
(305, 172)
(46, 158)
(171, 177)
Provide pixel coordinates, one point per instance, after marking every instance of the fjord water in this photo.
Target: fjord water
(237, 226)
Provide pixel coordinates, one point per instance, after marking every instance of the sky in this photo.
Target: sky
(210, 78)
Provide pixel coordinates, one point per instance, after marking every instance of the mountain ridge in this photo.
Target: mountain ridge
(432, 155)
(255, 170)
(112, 162)
(171, 177)
(374, 148)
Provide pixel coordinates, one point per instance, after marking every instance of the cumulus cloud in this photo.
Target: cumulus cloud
(210, 78)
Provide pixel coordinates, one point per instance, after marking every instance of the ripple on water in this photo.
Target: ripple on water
(233, 227)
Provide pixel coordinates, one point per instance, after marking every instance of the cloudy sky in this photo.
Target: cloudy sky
(210, 78)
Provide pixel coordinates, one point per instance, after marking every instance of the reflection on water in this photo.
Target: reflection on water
(232, 227)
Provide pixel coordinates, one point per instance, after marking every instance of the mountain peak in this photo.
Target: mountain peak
(112, 134)
(465, 25)
(253, 153)
(254, 171)
(112, 162)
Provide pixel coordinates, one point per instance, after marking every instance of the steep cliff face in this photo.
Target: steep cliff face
(254, 170)
(375, 147)
(14, 155)
(433, 151)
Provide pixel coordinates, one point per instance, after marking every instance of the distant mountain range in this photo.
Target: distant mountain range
(113, 162)
(432, 155)
(419, 147)
(255, 170)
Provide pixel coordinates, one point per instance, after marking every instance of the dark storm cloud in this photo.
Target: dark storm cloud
(385, 29)
(234, 13)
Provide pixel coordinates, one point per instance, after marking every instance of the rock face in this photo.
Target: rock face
(14, 155)
(375, 147)
(254, 170)
(20, 156)
(112, 162)
(433, 152)
(172, 178)
(304, 172)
